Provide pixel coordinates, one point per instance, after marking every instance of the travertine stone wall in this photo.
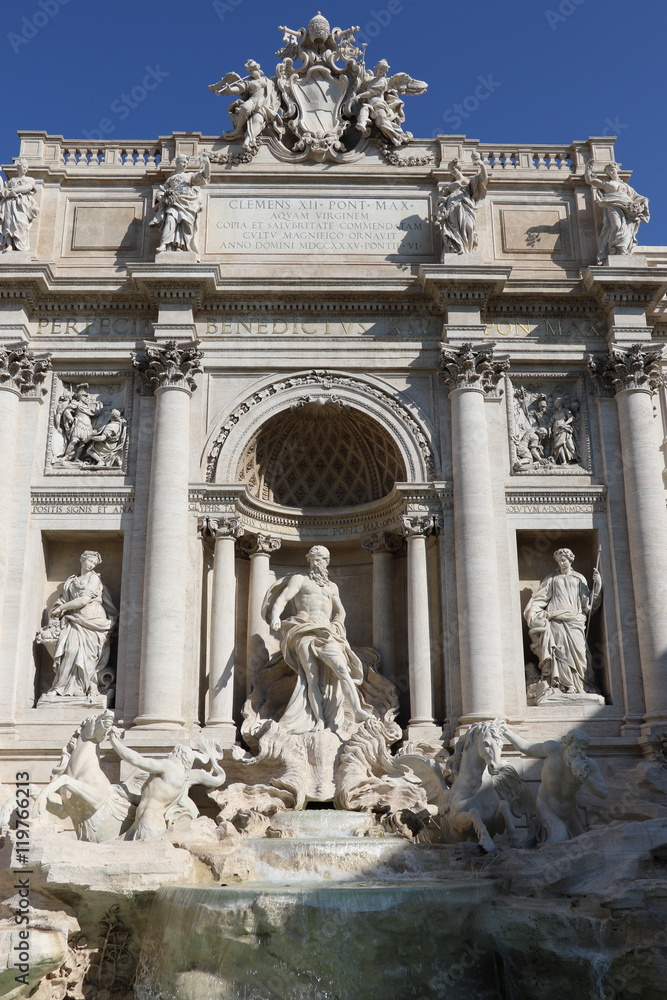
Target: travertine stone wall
(323, 287)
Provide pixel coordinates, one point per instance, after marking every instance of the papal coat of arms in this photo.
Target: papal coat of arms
(323, 100)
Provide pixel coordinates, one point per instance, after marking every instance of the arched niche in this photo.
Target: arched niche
(409, 435)
(320, 453)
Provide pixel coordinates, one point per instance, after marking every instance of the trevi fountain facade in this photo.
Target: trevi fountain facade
(333, 569)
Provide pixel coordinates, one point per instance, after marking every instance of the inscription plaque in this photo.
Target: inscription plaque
(380, 226)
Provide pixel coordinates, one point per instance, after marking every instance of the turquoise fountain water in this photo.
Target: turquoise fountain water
(312, 941)
(329, 916)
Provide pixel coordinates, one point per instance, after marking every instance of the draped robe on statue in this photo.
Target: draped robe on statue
(311, 646)
(556, 618)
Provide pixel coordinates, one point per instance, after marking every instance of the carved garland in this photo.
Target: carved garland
(327, 380)
(395, 160)
(235, 159)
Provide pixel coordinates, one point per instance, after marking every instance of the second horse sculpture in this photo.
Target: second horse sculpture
(477, 796)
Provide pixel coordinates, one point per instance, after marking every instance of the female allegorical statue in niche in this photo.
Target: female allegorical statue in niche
(80, 624)
(18, 209)
(556, 617)
(455, 213)
(624, 209)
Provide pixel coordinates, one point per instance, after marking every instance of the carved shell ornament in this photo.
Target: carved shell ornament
(322, 104)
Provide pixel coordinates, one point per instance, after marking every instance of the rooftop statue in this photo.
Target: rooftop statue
(257, 104)
(624, 209)
(178, 203)
(321, 96)
(18, 210)
(379, 104)
(455, 213)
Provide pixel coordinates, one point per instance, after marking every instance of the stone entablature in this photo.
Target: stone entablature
(538, 214)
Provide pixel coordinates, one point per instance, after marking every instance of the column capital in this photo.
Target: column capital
(417, 526)
(21, 371)
(266, 545)
(634, 368)
(220, 527)
(169, 366)
(472, 367)
(382, 541)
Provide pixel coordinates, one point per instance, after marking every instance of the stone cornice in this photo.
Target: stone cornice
(86, 501)
(581, 306)
(626, 285)
(462, 283)
(576, 500)
(260, 517)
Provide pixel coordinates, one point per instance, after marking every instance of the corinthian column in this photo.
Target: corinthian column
(167, 372)
(21, 376)
(382, 548)
(634, 375)
(470, 373)
(416, 529)
(260, 548)
(224, 531)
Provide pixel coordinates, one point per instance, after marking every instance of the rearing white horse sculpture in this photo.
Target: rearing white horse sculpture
(485, 796)
(99, 810)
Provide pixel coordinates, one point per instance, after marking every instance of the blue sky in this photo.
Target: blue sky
(557, 70)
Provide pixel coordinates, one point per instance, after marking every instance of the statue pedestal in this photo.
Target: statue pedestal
(537, 695)
(463, 259)
(71, 707)
(16, 257)
(176, 257)
(625, 260)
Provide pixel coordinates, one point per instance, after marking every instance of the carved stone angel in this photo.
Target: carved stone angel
(379, 104)
(257, 106)
(455, 213)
